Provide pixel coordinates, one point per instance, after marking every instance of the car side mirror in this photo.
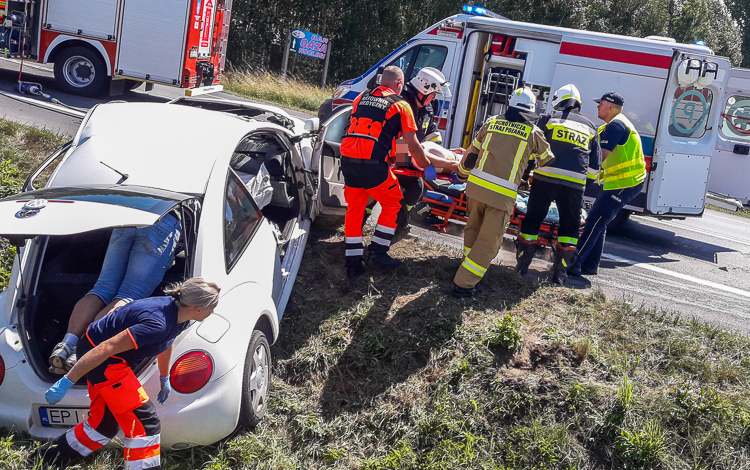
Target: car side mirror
(312, 125)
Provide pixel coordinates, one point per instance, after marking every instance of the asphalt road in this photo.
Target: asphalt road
(699, 267)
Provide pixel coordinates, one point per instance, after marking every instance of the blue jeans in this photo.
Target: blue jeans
(136, 260)
(606, 207)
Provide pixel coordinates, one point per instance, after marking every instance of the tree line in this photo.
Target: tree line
(364, 31)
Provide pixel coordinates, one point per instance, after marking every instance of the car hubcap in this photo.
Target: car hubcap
(259, 378)
(79, 71)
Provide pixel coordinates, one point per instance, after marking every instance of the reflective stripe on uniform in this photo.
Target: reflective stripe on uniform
(592, 173)
(356, 252)
(528, 238)
(467, 250)
(434, 137)
(473, 267)
(609, 179)
(352, 239)
(384, 229)
(485, 152)
(381, 241)
(84, 439)
(143, 464)
(568, 240)
(559, 173)
(518, 158)
(493, 183)
(143, 441)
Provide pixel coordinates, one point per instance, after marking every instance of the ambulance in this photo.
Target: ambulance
(679, 96)
(180, 43)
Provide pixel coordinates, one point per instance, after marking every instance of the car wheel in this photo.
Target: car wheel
(256, 380)
(80, 71)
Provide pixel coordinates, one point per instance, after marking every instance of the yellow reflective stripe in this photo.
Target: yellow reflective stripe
(559, 173)
(569, 240)
(609, 179)
(620, 166)
(485, 152)
(528, 238)
(477, 144)
(517, 161)
(592, 173)
(474, 267)
(467, 250)
(495, 188)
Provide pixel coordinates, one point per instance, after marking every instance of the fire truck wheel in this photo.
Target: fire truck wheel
(80, 71)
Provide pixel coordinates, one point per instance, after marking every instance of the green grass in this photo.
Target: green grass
(740, 213)
(274, 89)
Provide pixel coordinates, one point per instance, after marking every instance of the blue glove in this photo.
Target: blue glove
(430, 174)
(455, 178)
(163, 394)
(58, 391)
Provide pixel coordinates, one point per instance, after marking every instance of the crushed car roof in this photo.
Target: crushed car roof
(155, 145)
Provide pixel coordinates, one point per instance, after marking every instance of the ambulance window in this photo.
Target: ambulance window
(416, 58)
(736, 118)
(690, 109)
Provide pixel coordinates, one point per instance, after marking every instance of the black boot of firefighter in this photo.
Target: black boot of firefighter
(525, 251)
(565, 256)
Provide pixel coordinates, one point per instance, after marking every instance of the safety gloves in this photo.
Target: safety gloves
(430, 174)
(163, 394)
(58, 391)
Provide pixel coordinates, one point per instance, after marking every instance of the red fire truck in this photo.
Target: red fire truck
(181, 43)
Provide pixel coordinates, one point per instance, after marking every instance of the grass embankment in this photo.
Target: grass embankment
(22, 149)
(272, 88)
(390, 372)
(740, 213)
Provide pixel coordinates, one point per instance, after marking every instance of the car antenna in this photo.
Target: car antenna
(123, 176)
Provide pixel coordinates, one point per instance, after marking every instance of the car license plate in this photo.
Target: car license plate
(62, 417)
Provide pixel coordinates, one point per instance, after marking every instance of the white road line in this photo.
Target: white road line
(53, 107)
(685, 277)
(742, 241)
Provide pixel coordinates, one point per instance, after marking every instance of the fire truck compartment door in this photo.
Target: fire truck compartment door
(85, 17)
(731, 160)
(152, 40)
(685, 139)
(330, 194)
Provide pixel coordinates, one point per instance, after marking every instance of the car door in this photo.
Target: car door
(329, 195)
(731, 159)
(685, 138)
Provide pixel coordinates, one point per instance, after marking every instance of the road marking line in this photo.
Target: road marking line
(685, 277)
(741, 241)
(54, 107)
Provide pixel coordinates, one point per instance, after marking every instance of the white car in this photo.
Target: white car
(129, 164)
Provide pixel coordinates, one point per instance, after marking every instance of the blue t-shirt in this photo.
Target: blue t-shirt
(151, 323)
(613, 135)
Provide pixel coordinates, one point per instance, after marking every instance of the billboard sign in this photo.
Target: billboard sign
(309, 44)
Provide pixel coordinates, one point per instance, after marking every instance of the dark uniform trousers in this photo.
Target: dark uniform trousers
(568, 200)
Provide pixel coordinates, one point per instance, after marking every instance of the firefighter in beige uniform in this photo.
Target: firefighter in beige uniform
(493, 166)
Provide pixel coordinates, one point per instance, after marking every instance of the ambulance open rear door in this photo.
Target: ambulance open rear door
(730, 166)
(686, 134)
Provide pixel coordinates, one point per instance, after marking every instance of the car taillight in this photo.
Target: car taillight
(340, 91)
(2, 370)
(191, 372)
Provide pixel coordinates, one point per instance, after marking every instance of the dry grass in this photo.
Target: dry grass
(274, 89)
(740, 213)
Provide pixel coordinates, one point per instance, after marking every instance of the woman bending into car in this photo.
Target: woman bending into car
(111, 347)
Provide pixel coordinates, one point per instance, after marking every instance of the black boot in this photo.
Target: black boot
(353, 272)
(525, 251)
(565, 256)
(380, 259)
(465, 292)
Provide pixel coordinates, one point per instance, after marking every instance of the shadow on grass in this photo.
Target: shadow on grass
(382, 328)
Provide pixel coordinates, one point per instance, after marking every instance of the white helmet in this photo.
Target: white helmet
(431, 80)
(564, 93)
(523, 99)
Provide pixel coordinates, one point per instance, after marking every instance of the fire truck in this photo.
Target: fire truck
(180, 43)
(682, 117)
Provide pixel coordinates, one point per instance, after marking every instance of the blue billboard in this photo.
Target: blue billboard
(309, 44)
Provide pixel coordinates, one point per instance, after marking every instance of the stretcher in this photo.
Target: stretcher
(444, 201)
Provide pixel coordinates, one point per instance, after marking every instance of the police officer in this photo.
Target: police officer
(623, 172)
(493, 166)
(574, 141)
(378, 117)
(111, 348)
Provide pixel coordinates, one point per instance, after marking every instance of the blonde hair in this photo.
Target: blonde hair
(195, 292)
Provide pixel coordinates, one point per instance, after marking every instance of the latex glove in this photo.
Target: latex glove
(430, 174)
(58, 391)
(163, 394)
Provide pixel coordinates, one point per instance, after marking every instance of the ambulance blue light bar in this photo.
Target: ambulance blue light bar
(700, 43)
(482, 11)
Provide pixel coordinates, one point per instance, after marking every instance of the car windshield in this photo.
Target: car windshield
(146, 199)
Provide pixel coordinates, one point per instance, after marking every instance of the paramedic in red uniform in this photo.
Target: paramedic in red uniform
(112, 347)
(379, 116)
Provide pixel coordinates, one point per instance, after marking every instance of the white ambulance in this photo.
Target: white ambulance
(680, 119)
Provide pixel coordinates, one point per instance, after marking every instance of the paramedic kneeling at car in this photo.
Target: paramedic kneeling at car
(378, 117)
(506, 143)
(623, 172)
(112, 346)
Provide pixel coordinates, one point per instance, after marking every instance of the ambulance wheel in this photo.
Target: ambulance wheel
(256, 380)
(80, 71)
(618, 223)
